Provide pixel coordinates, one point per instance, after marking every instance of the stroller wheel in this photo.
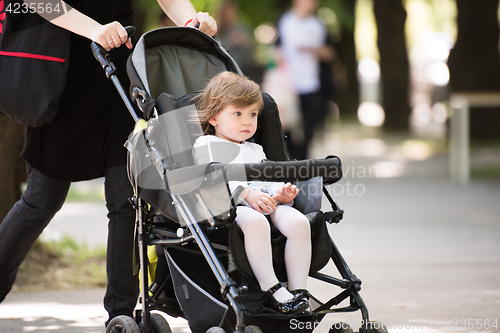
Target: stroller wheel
(216, 330)
(340, 327)
(252, 329)
(158, 324)
(122, 324)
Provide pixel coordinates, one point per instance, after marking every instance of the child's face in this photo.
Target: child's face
(236, 123)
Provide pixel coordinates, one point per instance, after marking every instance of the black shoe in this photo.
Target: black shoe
(292, 306)
(304, 295)
(301, 294)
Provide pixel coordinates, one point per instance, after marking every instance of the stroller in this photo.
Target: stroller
(190, 254)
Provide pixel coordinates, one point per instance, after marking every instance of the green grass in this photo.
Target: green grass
(491, 172)
(65, 264)
(82, 192)
(94, 194)
(74, 196)
(59, 265)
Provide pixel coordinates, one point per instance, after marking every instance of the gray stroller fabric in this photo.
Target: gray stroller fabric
(202, 309)
(167, 66)
(169, 60)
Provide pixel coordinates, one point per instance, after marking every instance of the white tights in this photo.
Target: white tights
(257, 231)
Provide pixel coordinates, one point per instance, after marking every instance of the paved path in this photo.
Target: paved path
(83, 222)
(79, 311)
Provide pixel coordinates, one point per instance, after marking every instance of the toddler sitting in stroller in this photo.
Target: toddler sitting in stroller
(228, 110)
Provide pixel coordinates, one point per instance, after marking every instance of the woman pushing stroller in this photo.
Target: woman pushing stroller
(228, 110)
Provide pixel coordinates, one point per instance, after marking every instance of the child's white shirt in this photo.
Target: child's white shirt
(210, 148)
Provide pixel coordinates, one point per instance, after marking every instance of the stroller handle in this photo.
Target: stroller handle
(102, 56)
(130, 30)
(109, 68)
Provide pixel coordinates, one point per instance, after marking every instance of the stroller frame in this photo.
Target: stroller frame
(230, 291)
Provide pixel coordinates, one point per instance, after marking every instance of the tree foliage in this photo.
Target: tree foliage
(390, 16)
(474, 61)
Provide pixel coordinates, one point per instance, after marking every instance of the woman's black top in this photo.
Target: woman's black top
(88, 133)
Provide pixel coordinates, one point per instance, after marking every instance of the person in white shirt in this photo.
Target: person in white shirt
(302, 41)
(228, 110)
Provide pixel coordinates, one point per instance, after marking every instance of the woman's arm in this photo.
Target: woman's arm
(113, 34)
(109, 36)
(181, 11)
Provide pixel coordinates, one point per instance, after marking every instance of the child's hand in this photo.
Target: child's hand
(286, 193)
(258, 200)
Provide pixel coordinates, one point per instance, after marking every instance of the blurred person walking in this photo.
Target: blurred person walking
(303, 46)
(237, 38)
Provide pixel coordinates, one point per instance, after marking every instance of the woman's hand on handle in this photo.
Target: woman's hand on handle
(110, 36)
(182, 13)
(207, 23)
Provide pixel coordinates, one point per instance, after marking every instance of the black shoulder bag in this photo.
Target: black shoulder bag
(33, 64)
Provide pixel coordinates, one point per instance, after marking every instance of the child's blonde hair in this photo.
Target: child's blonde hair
(225, 89)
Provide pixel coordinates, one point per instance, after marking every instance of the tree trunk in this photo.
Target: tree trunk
(390, 17)
(347, 97)
(474, 61)
(12, 166)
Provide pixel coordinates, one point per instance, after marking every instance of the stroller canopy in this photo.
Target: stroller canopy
(177, 60)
